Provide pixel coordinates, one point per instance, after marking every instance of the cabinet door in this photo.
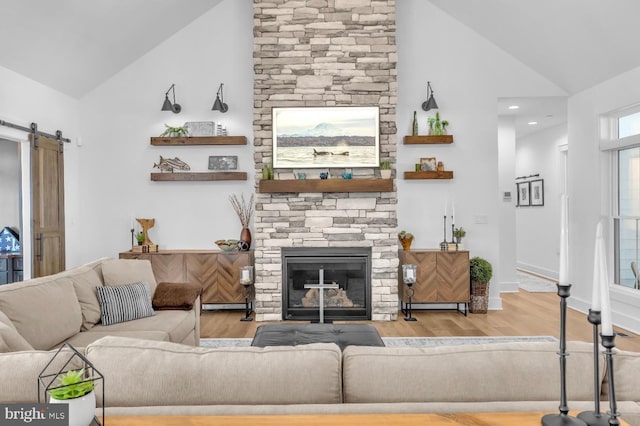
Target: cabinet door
(424, 287)
(202, 269)
(168, 267)
(452, 277)
(228, 288)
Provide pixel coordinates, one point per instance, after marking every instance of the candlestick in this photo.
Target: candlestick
(595, 417)
(609, 343)
(563, 275)
(443, 244)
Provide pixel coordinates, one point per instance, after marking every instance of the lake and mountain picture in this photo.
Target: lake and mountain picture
(325, 137)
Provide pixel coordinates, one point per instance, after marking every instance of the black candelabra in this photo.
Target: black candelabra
(408, 316)
(562, 419)
(595, 417)
(444, 243)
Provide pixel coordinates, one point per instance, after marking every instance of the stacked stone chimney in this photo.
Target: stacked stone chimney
(312, 53)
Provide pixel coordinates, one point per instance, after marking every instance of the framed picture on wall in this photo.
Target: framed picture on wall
(523, 194)
(322, 137)
(536, 190)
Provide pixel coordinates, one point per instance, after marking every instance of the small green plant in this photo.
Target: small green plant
(74, 385)
(459, 233)
(175, 131)
(140, 237)
(480, 269)
(404, 234)
(385, 165)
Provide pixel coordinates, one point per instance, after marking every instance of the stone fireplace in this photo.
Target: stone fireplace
(324, 53)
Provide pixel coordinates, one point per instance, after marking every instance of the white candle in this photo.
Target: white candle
(597, 282)
(607, 324)
(245, 275)
(445, 208)
(563, 273)
(453, 213)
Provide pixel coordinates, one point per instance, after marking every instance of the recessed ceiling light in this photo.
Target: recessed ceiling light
(514, 107)
(532, 123)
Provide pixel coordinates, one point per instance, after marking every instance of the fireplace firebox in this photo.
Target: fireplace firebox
(347, 270)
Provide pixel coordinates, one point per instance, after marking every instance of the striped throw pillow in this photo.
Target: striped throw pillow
(124, 303)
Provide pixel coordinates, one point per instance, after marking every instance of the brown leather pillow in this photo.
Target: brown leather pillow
(176, 296)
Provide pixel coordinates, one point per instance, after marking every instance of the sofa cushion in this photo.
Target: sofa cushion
(176, 295)
(468, 373)
(19, 373)
(45, 311)
(124, 303)
(174, 374)
(85, 338)
(626, 366)
(85, 280)
(128, 271)
(178, 324)
(11, 340)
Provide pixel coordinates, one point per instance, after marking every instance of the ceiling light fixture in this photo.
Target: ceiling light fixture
(430, 103)
(219, 104)
(167, 105)
(532, 123)
(514, 107)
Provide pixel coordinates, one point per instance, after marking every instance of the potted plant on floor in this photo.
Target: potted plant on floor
(76, 390)
(481, 273)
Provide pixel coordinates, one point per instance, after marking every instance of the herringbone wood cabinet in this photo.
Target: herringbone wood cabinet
(217, 272)
(442, 276)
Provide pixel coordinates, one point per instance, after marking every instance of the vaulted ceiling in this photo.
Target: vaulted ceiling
(74, 45)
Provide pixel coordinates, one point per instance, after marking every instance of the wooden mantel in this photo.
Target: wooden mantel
(326, 185)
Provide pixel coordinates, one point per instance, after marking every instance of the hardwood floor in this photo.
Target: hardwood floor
(523, 314)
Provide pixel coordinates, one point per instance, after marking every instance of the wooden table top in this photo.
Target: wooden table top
(462, 419)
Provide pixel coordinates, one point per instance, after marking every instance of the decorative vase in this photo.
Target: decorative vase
(245, 239)
(414, 127)
(406, 242)
(81, 410)
(385, 174)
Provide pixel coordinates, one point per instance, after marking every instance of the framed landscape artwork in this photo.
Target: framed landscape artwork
(537, 192)
(523, 194)
(321, 137)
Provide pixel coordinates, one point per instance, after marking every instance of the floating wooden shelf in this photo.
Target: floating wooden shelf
(428, 139)
(202, 176)
(326, 185)
(200, 140)
(447, 174)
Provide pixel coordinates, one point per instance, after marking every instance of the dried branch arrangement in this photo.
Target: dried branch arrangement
(243, 210)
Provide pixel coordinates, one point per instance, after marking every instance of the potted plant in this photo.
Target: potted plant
(481, 272)
(140, 238)
(76, 390)
(458, 234)
(385, 170)
(406, 238)
(175, 132)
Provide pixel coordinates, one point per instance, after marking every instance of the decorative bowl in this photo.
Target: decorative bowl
(227, 245)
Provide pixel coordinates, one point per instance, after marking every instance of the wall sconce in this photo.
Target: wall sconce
(219, 104)
(167, 105)
(430, 103)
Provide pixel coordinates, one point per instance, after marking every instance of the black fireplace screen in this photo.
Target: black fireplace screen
(346, 270)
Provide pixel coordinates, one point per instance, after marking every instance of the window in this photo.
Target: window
(629, 125)
(627, 220)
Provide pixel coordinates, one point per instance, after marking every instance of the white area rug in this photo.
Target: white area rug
(534, 284)
(403, 342)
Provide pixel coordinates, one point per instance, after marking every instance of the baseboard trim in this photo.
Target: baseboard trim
(538, 271)
(508, 287)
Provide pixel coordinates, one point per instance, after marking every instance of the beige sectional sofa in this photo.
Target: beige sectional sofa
(46, 312)
(163, 378)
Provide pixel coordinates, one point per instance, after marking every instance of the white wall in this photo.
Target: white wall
(506, 209)
(590, 194)
(22, 102)
(120, 116)
(9, 185)
(468, 75)
(538, 228)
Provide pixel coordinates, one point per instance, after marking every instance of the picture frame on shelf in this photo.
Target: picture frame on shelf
(524, 199)
(428, 164)
(536, 189)
(323, 137)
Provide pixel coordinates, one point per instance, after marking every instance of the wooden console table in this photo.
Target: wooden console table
(461, 419)
(218, 272)
(441, 277)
